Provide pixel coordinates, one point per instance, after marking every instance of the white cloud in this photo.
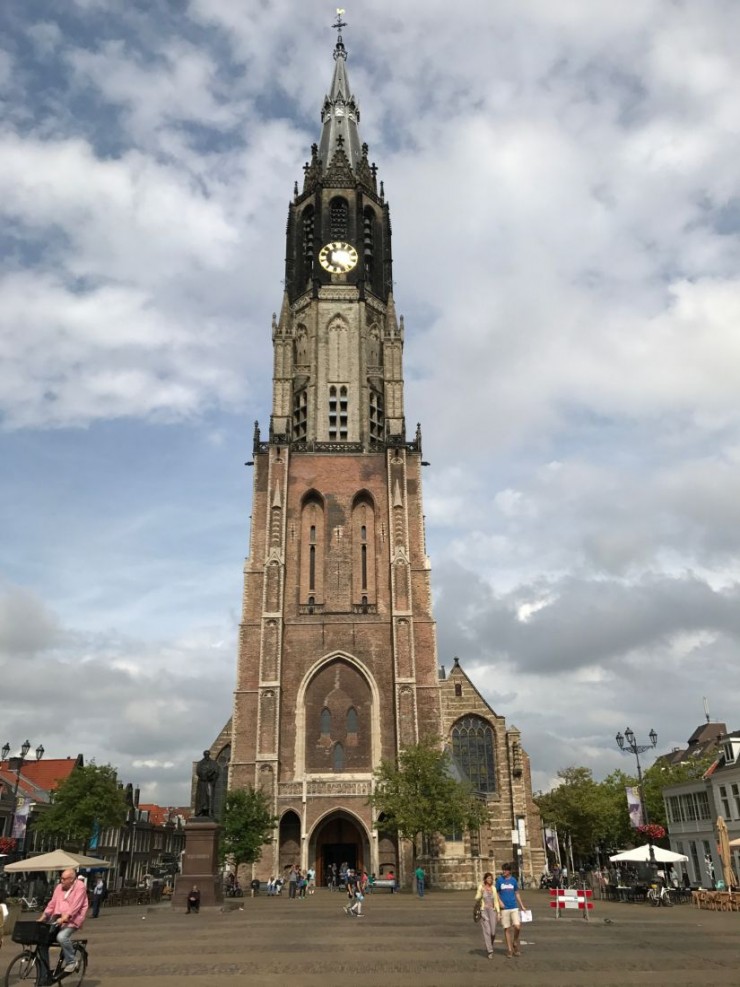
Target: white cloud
(564, 194)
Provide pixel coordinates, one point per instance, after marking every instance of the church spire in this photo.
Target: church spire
(340, 113)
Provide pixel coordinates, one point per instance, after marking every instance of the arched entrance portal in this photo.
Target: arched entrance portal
(339, 838)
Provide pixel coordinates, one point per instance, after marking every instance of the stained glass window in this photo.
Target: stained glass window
(473, 750)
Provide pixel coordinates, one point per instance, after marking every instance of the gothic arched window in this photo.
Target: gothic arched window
(474, 751)
(363, 550)
(338, 757)
(368, 242)
(325, 721)
(377, 415)
(352, 720)
(300, 414)
(312, 550)
(338, 219)
(308, 241)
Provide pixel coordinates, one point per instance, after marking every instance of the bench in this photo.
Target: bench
(384, 882)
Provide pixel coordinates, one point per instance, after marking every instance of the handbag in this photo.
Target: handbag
(477, 909)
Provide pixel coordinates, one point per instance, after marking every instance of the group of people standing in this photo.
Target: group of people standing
(300, 882)
(500, 901)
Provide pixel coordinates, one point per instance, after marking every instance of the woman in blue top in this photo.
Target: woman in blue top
(507, 888)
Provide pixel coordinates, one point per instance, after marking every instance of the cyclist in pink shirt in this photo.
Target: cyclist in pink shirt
(66, 910)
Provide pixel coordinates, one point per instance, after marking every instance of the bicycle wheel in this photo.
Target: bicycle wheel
(668, 900)
(22, 970)
(76, 978)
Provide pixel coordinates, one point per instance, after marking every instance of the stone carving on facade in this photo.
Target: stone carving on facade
(338, 294)
(339, 173)
(319, 788)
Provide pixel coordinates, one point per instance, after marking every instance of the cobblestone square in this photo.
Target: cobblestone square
(404, 940)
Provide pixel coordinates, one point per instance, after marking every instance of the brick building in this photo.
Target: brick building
(337, 662)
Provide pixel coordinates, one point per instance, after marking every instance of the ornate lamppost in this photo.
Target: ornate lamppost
(20, 760)
(628, 745)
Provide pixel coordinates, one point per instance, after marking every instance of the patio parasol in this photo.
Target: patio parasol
(56, 860)
(723, 845)
(642, 854)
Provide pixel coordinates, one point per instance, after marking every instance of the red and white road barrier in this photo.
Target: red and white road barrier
(578, 899)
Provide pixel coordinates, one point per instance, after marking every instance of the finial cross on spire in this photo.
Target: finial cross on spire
(339, 51)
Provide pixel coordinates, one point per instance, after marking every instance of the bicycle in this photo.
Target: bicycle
(26, 969)
(29, 904)
(660, 896)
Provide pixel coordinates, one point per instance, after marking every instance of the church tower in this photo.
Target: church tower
(337, 664)
(337, 659)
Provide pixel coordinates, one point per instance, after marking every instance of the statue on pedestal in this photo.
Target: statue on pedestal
(207, 772)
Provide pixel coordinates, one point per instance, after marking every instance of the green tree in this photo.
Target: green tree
(418, 796)
(572, 807)
(87, 798)
(660, 775)
(247, 826)
(594, 814)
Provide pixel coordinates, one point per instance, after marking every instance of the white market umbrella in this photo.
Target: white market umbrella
(56, 860)
(641, 854)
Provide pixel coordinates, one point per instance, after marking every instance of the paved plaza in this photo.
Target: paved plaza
(402, 940)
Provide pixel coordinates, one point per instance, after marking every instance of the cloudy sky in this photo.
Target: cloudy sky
(565, 199)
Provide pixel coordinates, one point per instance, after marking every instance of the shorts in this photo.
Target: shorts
(509, 917)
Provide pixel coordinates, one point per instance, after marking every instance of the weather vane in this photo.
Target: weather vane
(339, 22)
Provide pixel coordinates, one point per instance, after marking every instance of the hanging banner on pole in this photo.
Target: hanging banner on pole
(634, 807)
(20, 819)
(551, 839)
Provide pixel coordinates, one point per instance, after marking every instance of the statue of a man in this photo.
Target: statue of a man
(207, 772)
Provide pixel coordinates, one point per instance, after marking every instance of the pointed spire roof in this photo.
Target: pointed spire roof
(340, 113)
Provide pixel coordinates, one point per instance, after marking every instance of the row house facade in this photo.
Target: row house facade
(692, 809)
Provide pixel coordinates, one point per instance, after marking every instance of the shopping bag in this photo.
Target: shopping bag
(526, 915)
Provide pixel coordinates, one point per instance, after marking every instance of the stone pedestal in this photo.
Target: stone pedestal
(199, 865)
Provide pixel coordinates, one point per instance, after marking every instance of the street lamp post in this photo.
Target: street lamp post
(628, 745)
(19, 762)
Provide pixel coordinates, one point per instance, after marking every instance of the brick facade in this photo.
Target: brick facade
(337, 664)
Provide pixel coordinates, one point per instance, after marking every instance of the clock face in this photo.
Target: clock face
(338, 257)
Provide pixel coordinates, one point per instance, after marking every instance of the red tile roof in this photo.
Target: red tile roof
(48, 774)
(160, 815)
(39, 776)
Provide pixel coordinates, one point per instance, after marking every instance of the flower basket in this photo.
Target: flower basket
(651, 832)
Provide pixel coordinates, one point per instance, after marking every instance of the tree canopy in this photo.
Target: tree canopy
(419, 795)
(88, 798)
(594, 814)
(247, 826)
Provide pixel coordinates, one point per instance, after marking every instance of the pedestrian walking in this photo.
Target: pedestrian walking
(420, 880)
(511, 904)
(99, 894)
(355, 896)
(490, 911)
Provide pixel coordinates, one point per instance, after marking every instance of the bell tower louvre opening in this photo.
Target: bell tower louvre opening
(337, 664)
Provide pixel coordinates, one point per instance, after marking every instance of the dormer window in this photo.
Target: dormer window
(729, 754)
